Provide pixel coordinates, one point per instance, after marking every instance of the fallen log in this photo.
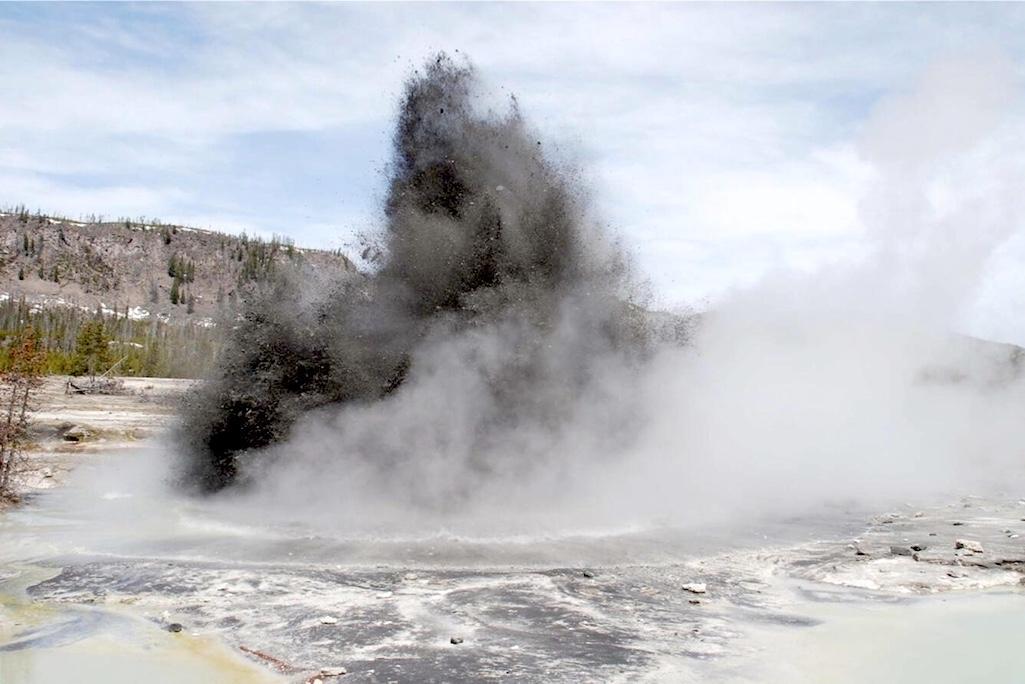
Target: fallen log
(276, 663)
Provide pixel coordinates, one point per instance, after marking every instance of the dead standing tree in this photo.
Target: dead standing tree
(17, 390)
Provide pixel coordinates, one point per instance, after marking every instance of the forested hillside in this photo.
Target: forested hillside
(152, 298)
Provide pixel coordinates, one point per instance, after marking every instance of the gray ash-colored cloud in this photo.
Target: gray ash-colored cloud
(489, 264)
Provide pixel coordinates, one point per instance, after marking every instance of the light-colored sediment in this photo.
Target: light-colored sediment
(68, 427)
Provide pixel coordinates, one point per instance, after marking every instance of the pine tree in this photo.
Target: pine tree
(175, 291)
(151, 365)
(21, 273)
(92, 349)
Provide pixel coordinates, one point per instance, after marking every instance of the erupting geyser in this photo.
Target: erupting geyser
(495, 302)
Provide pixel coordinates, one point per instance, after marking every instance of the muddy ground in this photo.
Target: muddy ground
(69, 428)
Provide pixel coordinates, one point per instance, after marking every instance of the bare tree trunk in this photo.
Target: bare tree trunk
(8, 443)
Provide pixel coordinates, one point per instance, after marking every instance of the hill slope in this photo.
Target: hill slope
(152, 270)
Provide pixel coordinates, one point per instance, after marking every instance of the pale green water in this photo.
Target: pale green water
(936, 639)
(53, 642)
(113, 660)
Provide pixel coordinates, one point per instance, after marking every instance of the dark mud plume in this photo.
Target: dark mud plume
(488, 263)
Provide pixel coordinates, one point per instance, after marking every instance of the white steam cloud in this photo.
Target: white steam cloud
(849, 384)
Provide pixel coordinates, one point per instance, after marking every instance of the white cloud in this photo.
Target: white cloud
(719, 138)
(115, 201)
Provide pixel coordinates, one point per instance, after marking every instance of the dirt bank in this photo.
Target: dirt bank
(68, 427)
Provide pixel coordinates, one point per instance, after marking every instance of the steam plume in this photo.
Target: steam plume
(492, 373)
(489, 266)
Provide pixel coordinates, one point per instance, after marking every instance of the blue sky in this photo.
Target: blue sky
(721, 141)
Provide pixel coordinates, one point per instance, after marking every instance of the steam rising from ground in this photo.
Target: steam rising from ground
(493, 373)
(485, 333)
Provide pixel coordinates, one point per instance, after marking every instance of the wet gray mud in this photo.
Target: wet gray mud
(388, 625)
(83, 567)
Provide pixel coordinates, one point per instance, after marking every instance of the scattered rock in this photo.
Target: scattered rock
(455, 641)
(328, 620)
(75, 433)
(333, 671)
(957, 523)
(695, 587)
(697, 602)
(410, 576)
(589, 574)
(175, 627)
(918, 547)
(47, 473)
(858, 550)
(900, 551)
(919, 514)
(968, 545)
